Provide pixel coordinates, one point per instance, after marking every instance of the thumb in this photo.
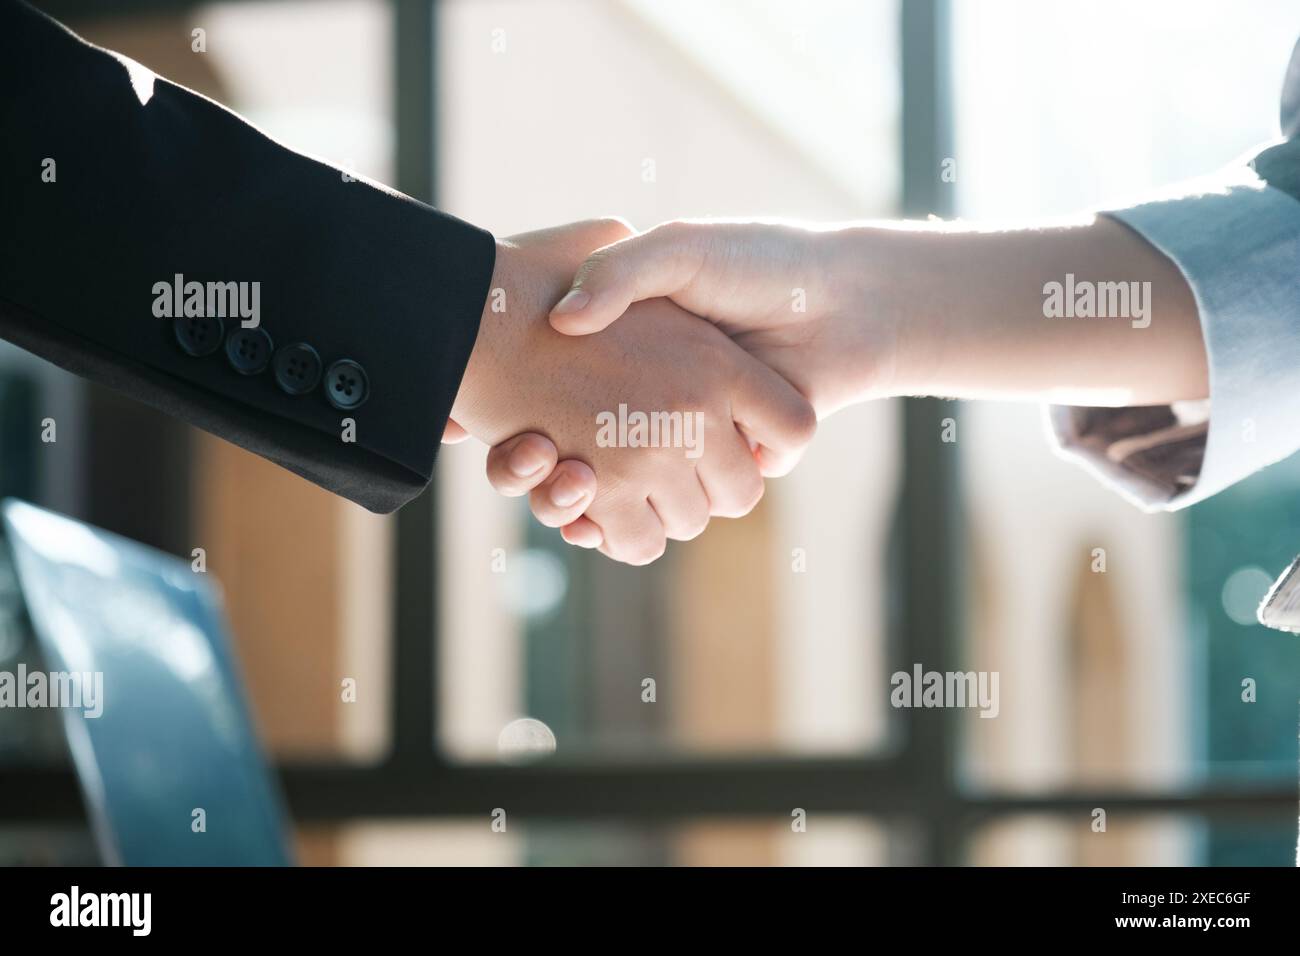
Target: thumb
(656, 263)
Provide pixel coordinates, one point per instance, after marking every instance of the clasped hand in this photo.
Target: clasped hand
(761, 329)
(549, 393)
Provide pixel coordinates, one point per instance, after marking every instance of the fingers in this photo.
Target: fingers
(684, 510)
(774, 464)
(730, 476)
(640, 534)
(633, 533)
(772, 414)
(564, 495)
(518, 465)
(559, 492)
(656, 263)
(637, 533)
(583, 533)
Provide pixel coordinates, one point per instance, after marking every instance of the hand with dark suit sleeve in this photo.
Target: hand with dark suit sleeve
(114, 182)
(156, 243)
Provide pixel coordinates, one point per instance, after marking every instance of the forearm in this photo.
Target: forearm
(1087, 313)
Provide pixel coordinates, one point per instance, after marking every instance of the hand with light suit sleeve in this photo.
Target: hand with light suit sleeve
(1192, 386)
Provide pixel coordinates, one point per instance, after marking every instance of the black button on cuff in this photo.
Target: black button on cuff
(346, 385)
(249, 350)
(198, 334)
(297, 368)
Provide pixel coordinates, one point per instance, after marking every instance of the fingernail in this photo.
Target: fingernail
(524, 461)
(574, 301)
(565, 493)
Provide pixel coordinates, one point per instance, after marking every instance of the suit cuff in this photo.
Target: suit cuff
(1236, 240)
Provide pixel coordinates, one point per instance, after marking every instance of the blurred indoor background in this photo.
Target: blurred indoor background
(769, 641)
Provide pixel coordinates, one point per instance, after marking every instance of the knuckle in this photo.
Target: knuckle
(740, 499)
(793, 426)
(755, 495)
(600, 264)
(672, 230)
(614, 228)
(803, 424)
(644, 551)
(692, 528)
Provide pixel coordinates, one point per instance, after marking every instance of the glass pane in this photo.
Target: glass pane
(722, 108)
(1122, 639)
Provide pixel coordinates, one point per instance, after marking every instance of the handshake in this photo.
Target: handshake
(627, 433)
(604, 358)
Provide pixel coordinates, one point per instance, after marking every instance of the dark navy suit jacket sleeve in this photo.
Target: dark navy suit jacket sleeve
(117, 186)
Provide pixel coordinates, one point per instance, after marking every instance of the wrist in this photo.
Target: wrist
(881, 318)
(471, 407)
(908, 290)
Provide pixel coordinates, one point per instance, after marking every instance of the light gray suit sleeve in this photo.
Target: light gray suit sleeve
(1235, 237)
